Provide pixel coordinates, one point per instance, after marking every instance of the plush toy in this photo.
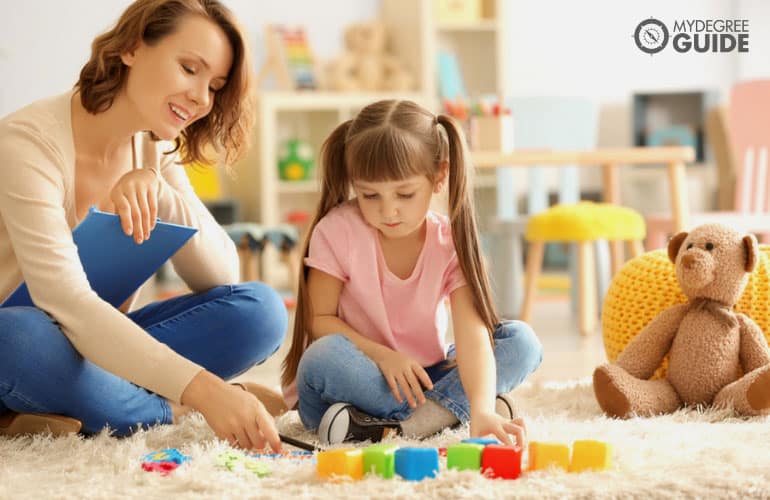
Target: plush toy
(716, 356)
(365, 65)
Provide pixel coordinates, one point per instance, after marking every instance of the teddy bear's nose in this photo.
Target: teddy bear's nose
(688, 260)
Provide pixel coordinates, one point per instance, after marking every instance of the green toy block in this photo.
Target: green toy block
(464, 456)
(380, 459)
(590, 455)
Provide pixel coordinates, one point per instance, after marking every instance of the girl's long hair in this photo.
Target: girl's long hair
(393, 140)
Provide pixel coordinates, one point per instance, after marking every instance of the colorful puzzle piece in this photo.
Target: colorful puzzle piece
(234, 461)
(590, 455)
(163, 461)
(499, 461)
(167, 455)
(544, 455)
(380, 459)
(342, 462)
(415, 464)
(164, 468)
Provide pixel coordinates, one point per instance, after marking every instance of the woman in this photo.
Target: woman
(169, 70)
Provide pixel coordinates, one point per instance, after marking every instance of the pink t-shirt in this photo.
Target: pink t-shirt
(407, 315)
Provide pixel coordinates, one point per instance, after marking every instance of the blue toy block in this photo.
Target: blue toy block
(482, 441)
(415, 464)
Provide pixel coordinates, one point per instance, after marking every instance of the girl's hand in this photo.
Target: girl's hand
(135, 199)
(234, 415)
(483, 424)
(403, 372)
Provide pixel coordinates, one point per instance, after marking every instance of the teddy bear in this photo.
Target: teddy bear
(365, 65)
(716, 356)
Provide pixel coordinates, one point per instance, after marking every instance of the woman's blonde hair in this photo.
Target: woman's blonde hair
(393, 140)
(227, 127)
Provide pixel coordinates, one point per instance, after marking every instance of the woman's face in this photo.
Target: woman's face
(172, 83)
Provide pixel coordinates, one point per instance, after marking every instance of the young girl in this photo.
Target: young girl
(175, 70)
(369, 355)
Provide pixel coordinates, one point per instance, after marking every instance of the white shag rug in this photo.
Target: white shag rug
(690, 454)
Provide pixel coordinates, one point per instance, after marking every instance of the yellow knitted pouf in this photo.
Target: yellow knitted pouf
(586, 221)
(647, 285)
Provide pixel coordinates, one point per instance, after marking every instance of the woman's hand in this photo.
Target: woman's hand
(234, 415)
(483, 424)
(403, 372)
(135, 199)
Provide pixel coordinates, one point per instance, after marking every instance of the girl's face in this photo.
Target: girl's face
(172, 84)
(396, 208)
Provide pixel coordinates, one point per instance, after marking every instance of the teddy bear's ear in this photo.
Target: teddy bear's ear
(673, 245)
(751, 248)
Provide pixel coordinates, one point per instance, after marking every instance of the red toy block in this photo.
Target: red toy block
(500, 461)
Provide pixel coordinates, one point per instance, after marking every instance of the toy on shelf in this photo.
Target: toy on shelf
(467, 11)
(295, 160)
(716, 356)
(365, 65)
(289, 59)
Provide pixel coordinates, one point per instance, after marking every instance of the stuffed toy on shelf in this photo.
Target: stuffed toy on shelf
(716, 356)
(365, 65)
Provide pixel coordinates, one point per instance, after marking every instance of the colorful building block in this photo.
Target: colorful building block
(499, 461)
(342, 462)
(415, 464)
(380, 459)
(544, 455)
(482, 441)
(464, 456)
(590, 455)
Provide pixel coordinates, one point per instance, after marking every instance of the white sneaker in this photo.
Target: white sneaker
(344, 422)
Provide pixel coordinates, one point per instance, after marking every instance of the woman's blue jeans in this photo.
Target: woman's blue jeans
(334, 370)
(227, 330)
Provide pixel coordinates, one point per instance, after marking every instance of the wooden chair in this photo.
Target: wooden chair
(748, 124)
(554, 123)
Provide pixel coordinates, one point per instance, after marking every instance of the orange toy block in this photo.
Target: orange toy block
(590, 455)
(543, 455)
(343, 462)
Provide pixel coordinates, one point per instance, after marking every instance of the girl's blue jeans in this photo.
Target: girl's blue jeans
(334, 370)
(226, 330)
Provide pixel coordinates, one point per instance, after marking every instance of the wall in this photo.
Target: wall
(586, 48)
(44, 43)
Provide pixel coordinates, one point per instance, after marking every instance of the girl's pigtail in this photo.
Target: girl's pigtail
(463, 220)
(334, 191)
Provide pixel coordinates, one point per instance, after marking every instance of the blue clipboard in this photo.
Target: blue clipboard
(114, 264)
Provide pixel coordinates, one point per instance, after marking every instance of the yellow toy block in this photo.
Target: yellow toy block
(590, 455)
(343, 462)
(544, 455)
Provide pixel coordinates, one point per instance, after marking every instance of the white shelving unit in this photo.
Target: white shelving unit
(415, 36)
